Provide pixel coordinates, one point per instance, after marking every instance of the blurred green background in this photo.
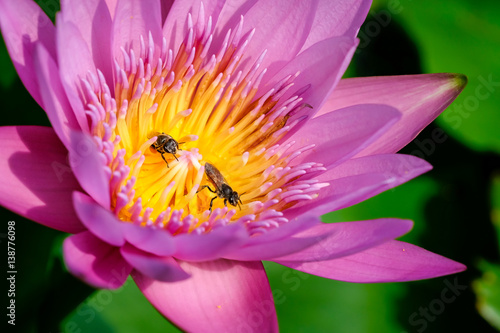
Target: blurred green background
(456, 206)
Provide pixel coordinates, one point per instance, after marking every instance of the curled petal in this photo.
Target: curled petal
(220, 296)
(393, 261)
(37, 181)
(88, 167)
(154, 241)
(24, 25)
(106, 226)
(164, 269)
(101, 222)
(210, 246)
(95, 262)
(55, 102)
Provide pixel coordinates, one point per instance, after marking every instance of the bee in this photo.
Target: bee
(165, 144)
(222, 189)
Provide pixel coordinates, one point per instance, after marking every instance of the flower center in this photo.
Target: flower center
(215, 114)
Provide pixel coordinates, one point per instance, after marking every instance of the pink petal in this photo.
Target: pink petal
(291, 228)
(341, 134)
(166, 6)
(393, 261)
(36, 180)
(346, 238)
(220, 296)
(152, 240)
(75, 61)
(308, 22)
(88, 166)
(106, 226)
(275, 23)
(133, 19)
(54, 98)
(336, 18)
(420, 98)
(279, 242)
(164, 269)
(24, 25)
(321, 64)
(86, 16)
(210, 246)
(95, 262)
(359, 179)
(388, 164)
(101, 222)
(111, 7)
(175, 25)
(275, 249)
(321, 67)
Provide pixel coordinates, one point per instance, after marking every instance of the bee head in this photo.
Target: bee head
(171, 146)
(233, 198)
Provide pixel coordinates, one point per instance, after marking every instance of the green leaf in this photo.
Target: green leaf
(7, 69)
(307, 303)
(33, 250)
(121, 310)
(487, 289)
(495, 204)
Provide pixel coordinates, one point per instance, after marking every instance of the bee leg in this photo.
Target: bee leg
(201, 189)
(205, 186)
(165, 160)
(211, 203)
(176, 157)
(225, 202)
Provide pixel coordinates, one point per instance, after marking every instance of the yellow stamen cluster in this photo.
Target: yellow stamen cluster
(219, 114)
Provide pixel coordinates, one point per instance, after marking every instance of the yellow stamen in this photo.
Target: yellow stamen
(215, 112)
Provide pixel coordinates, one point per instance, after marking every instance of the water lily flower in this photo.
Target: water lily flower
(253, 89)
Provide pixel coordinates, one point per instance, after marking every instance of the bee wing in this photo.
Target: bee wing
(214, 175)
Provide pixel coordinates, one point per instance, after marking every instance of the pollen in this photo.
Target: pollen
(219, 111)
